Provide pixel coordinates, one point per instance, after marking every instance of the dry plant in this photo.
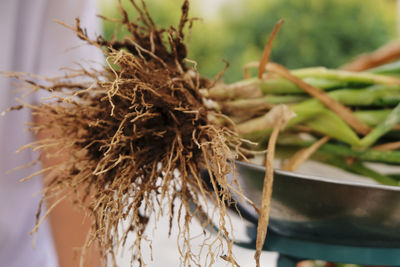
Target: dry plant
(383, 55)
(136, 136)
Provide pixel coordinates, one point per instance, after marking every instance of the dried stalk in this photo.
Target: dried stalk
(385, 54)
(267, 50)
(303, 155)
(388, 146)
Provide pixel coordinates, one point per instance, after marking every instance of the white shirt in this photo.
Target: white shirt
(30, 41)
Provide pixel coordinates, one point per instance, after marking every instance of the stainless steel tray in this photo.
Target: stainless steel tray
(322, 209)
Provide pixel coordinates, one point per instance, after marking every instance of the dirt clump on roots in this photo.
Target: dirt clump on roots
(136, 135)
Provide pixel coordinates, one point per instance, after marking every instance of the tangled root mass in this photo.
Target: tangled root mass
(137, 134)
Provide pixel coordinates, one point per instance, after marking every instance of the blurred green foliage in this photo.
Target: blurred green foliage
(316, 32)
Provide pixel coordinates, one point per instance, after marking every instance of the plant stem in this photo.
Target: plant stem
(392, 69)
(390, 157)
(391, 120)
(328, 123)
(372, 117)
(280, 85)
(348, 77)
(356, 168)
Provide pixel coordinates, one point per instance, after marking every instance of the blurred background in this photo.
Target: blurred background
(315, 33)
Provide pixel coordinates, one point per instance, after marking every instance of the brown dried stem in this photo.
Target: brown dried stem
(388, 146)
(267, 192)
(282, 115)
(267, 50)
(385, 54)
(303, 155)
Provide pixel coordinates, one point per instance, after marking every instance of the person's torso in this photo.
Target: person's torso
(29, 43)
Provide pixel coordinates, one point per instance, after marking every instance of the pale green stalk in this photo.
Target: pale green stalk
(355, 167)
(348, 77)
(390, 157)
(381, 129)
(283, 86)
(372, 117)
(392, 69)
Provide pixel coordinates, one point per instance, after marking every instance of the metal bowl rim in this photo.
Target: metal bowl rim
(320, 178)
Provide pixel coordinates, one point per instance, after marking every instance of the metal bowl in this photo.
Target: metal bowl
(321, 209)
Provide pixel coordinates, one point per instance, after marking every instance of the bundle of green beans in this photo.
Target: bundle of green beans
(372, 96)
